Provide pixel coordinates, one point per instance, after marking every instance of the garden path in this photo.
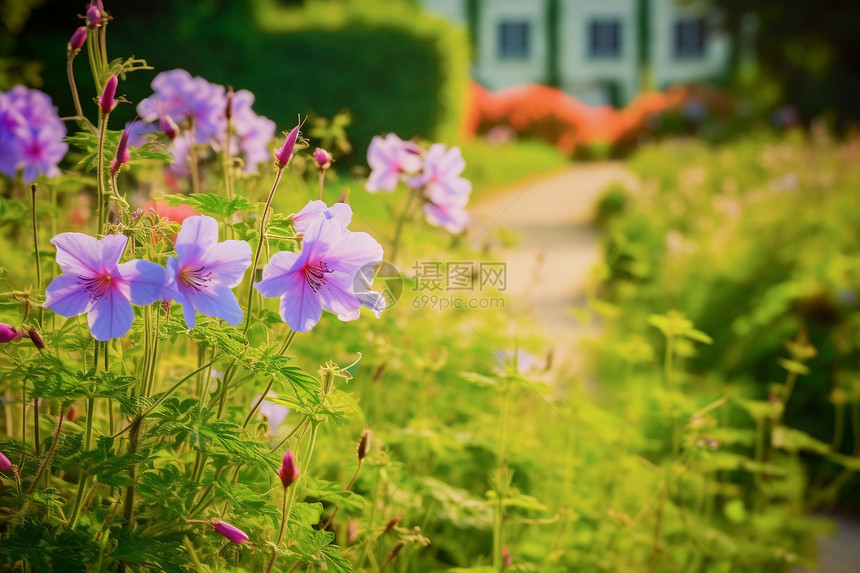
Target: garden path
(555, 245)
(548, 265)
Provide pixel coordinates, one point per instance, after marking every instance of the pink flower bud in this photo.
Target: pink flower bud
(5, 464)
(322, 157)
(166, 124)
(94, 16)
(72, 414)
(8, 333)
(122, 155)
(228, 113)
(507, 560)
(231, 532)
(107, 101)
(364, 444)
(78, 39)
(289, 471)
(282, 157)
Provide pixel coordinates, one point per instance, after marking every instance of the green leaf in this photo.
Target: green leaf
(210, 203)
(333, 493)
(794, 440)
(794, 366)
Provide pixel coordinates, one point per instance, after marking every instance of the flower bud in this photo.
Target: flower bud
(364, 444)
(35, 338)
(323, 158)
(72, 413)
(507, 560)
(94, 16)
(122, 155)
(9, 333)
(392, 522)
(107, 102)
(5, 464)
(282, 157)
(289, 471)
(78, 39)
(231, 532)
(228, 113)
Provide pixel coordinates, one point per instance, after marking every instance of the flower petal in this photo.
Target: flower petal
(77, 253)
(111, 316)
(198, 233)
(353, 251)
(218, 302)
(300, 307)
(337, 296)
(227, 261)
(145, 279)
(277, 275)
(66, 296)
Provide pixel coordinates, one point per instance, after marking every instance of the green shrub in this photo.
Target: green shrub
(395, 68)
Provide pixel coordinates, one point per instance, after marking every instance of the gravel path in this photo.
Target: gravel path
(549, 263)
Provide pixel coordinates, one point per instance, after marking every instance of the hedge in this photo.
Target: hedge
(394, 67)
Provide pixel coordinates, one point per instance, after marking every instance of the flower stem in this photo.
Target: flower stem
(75, 97)
(253, 276)
(395, 243)
(48, 454)
(322, 181)
(101, 173)
(87, 443)
(36, 249)
(286, 345)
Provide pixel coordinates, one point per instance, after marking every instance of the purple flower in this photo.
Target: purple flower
(445, 191)
(186, 98)
(323, 158)
(314, 210)
(274, 413)
(9, 333)
(283, 156)
(253, 132)
(94, 15)
(181, 150)
(203, 272)
(289, 471)
(31, 134)
(5, 464)
(231, 532)
(79, 37)
(321, 276)
(389, 159)
(108, 102)
(94, 282)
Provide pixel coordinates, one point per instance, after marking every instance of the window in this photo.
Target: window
(604, 39)
(690, 39)
(514, 40)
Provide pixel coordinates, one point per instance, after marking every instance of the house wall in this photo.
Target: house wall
(452, 10)
(667, 69)
(594, 80)
(496, 72)
(584, 76)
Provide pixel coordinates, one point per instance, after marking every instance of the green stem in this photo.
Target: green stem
(253, 276)
(256, 406)
(322, 182)
(76, 508)
(48, 454)
(36, 248)
(670, 388)
(395, 243)
(101, 173)
(75, 97)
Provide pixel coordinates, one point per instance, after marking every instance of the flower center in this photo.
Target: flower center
(315, 275)
(96, 286)
(195, 278)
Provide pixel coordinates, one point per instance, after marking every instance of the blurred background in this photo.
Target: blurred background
(715, 144)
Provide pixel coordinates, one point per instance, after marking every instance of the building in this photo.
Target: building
(600, 51)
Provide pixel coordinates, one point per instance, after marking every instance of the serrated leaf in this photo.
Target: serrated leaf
(210, 203)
